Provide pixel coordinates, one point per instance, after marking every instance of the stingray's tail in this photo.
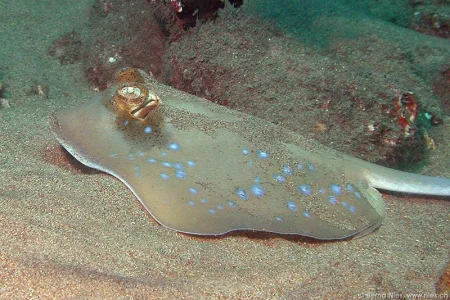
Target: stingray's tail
(398, 181)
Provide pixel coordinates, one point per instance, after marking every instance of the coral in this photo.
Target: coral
(405, 110)
(443, 285)
(441, 87)
(275, 79)
(431, 17)
(67, 49)
(115, 43)
(341, 96)
(4, 103)
(189, 12)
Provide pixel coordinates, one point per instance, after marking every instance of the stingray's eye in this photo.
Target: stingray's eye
(135, 100)
(130, 92)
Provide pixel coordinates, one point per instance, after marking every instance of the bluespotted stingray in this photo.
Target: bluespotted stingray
(203, 169)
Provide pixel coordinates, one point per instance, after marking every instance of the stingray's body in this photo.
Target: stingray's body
(202, 169)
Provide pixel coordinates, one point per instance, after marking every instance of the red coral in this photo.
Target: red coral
(405, 110)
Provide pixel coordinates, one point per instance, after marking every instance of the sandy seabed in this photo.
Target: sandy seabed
(69, 232)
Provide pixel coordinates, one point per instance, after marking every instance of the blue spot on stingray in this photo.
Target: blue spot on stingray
(278, 219)
(305, 189)
(148, 129)
(299, 167)
(242, 194)
(286, 170)
(349, 187)
(322, 191)
(180, 174)
(219, 206)
(257, 190)
(245, 151)
(141, 154)
(256, 180)
(231, 204)
(203, 200)
(166, 164)
(311, 167)
(212, 211)
(192, 190)
(332, 200)
(190, 163)
(164, 200)
(250, 163)
(357, 194)
(125, 123)
(178, 166)
(164, 153)
(351, 209)
(262, 154)
(335, 189)
(137, 168)
(306, 214)
(344, 204)
(112, 155)
(173, 146)
(279, 178)
(151, 160)
(164, 176)
(131, 156)
(137, 174)
(191, 203)
(291, 205)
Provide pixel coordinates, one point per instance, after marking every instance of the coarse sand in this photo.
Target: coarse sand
(70, 232)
